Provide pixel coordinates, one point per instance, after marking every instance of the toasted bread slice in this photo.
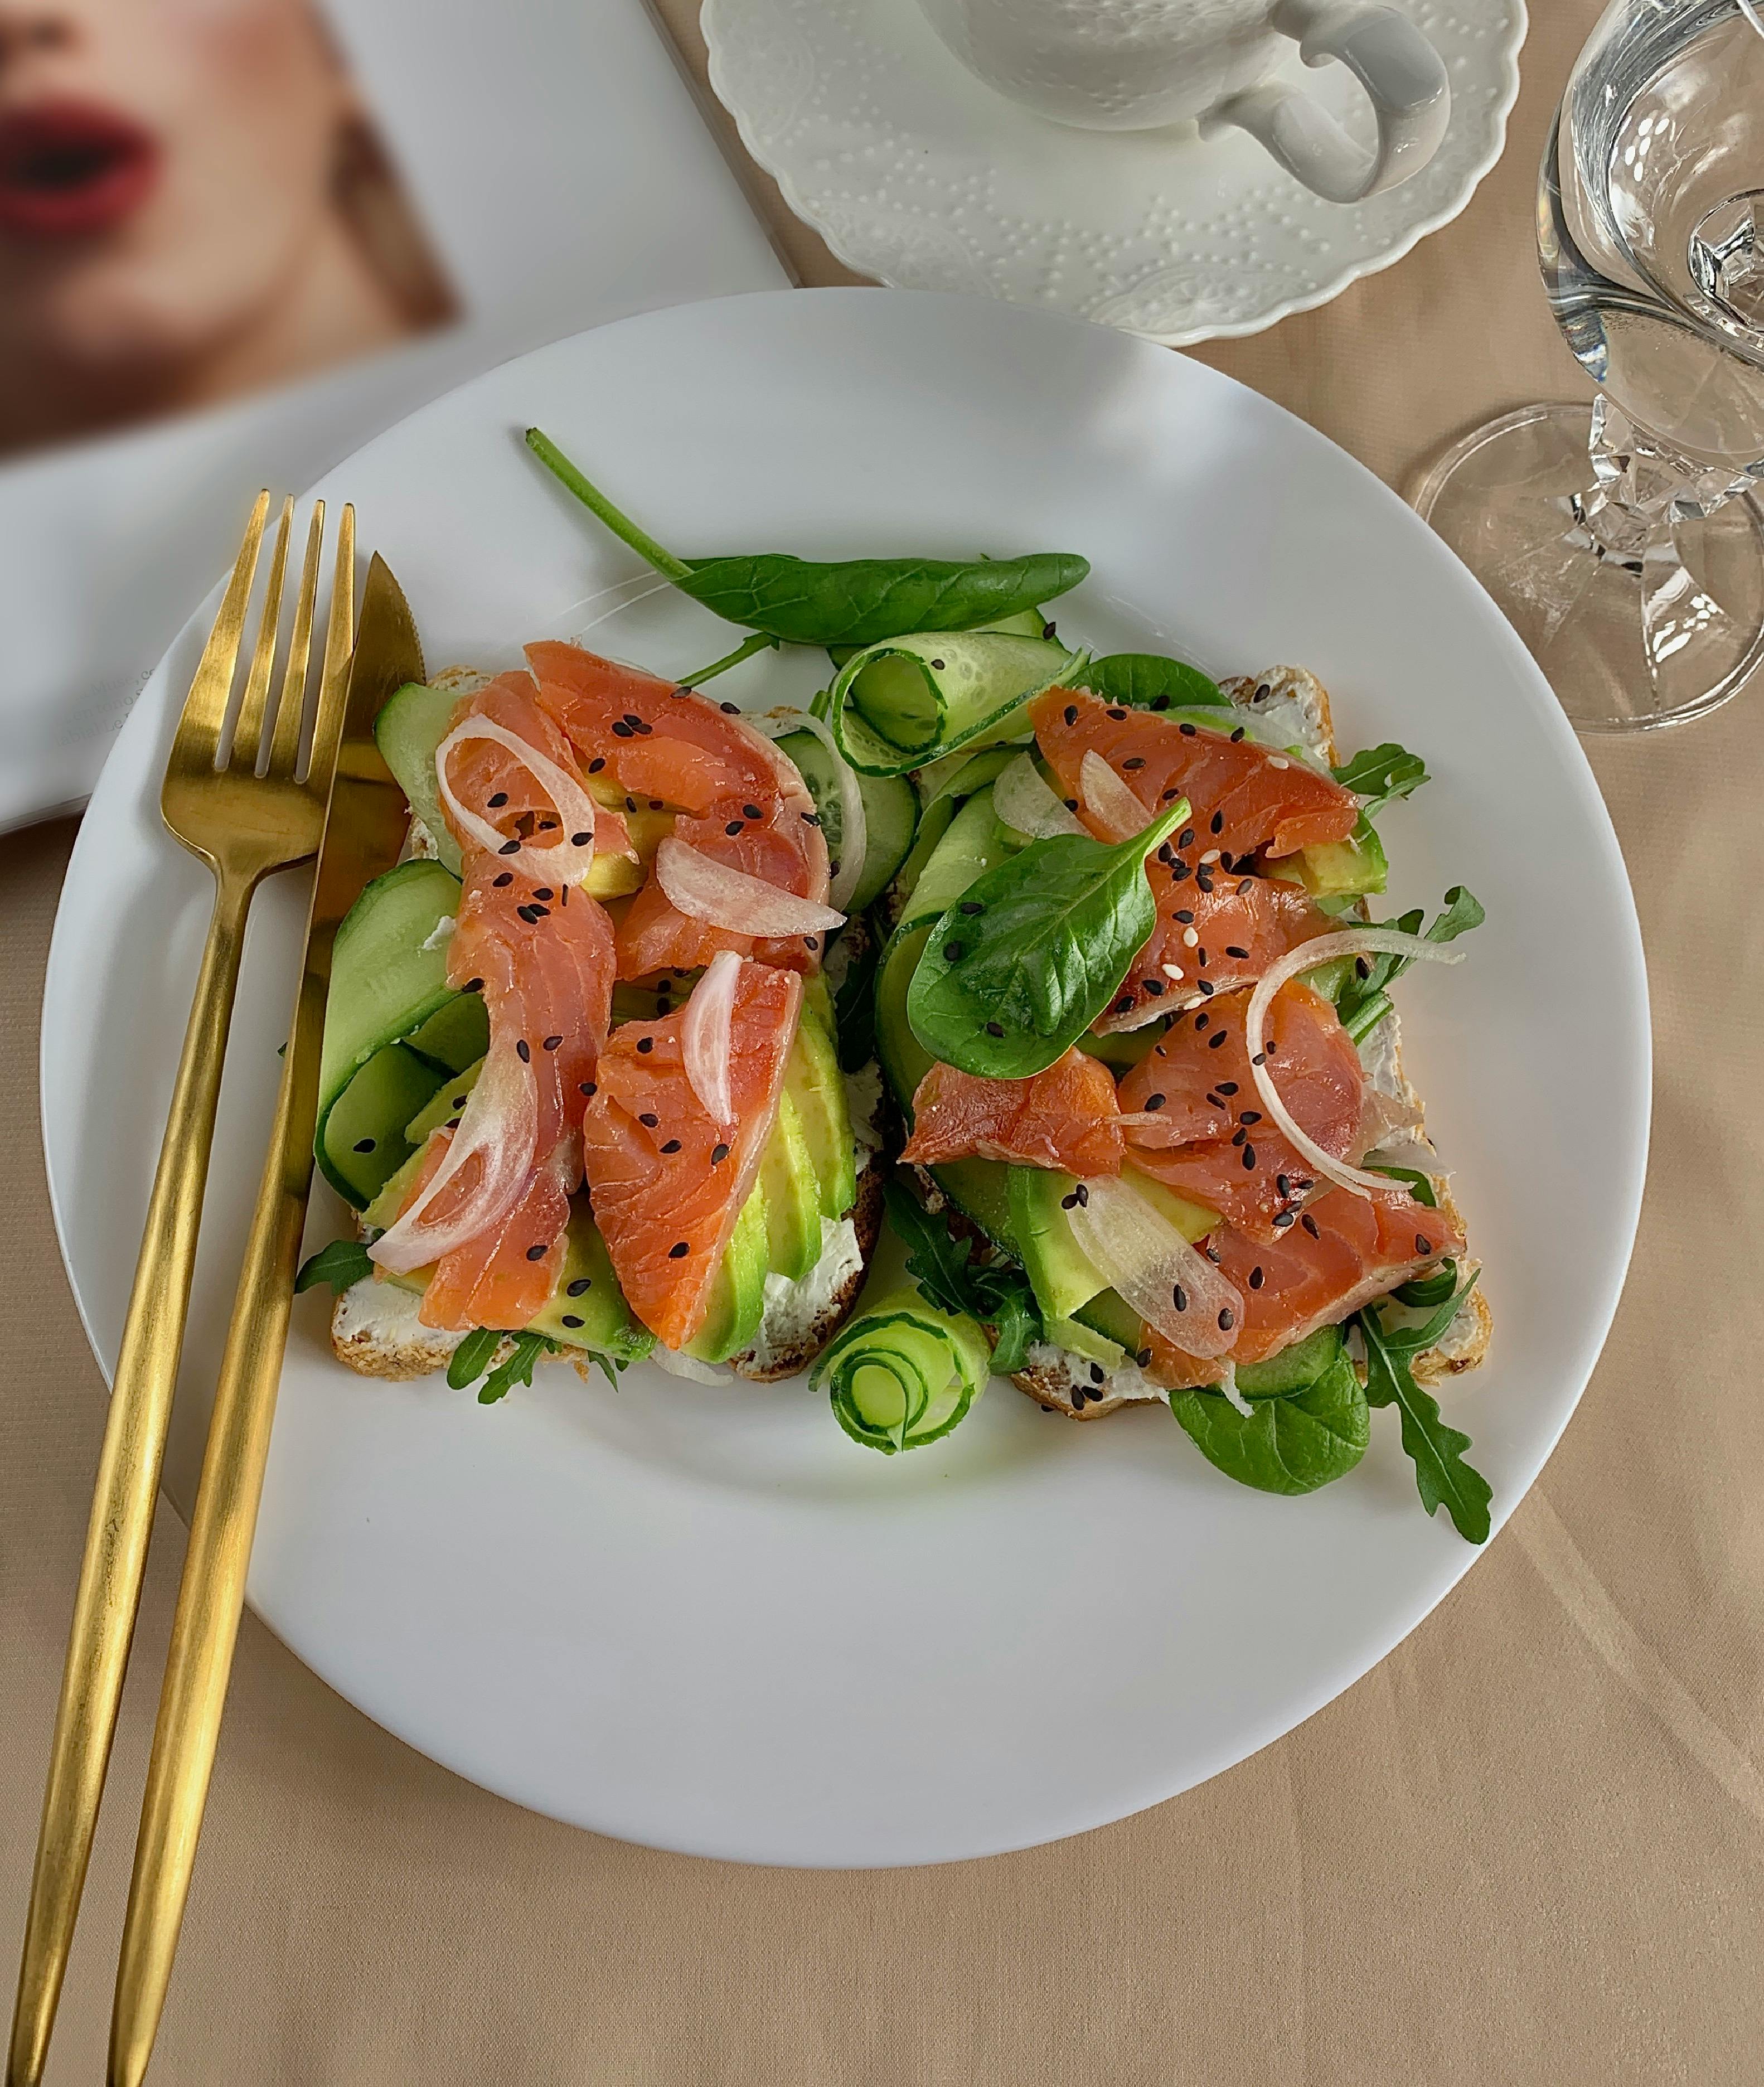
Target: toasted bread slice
(1301, 702)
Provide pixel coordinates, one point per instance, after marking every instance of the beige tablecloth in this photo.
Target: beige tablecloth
(1529, 1847)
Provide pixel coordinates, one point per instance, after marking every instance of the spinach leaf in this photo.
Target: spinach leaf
(1363, 1001)
(471, 1357)
(1419, 1186)
(1148, 681)
(997, 1293)
(1283, 1445)
(854, 1007)
(1034, 950)
(760, 642)
(1382, 774)
(854, 601)
(342, 1263)
(1442, 1476)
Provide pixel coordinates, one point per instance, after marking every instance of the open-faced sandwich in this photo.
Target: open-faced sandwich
(618, 1061)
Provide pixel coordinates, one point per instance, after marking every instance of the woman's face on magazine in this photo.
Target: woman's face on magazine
(164, 164)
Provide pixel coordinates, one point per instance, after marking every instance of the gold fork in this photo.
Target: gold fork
(247, 809)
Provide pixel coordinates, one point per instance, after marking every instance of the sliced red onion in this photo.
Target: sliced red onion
(704, 1033)
(1025, 802)
(1110, 800)
(853, 825)
(500, 1123)
(1170, 1283)
(1350, 943)
(567, 860)
(724, 897)
(1385, 1119)
(677, 1363)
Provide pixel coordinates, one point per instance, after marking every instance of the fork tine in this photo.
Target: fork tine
(291, 706)
(205, 707)
(339, 643)
(248, 733)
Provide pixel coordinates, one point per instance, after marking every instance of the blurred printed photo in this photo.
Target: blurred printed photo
(193, 204)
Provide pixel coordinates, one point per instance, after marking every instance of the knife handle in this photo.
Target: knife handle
(206, 1626)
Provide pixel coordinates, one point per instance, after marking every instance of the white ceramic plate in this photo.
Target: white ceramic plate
(919, 174)
(701, 1617)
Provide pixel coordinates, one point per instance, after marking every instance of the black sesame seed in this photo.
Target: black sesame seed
(1256, 1278)
(570, 1319)
(364, 1144)
(810, 941)
(1169, 796)
(1237, 734)
(1240, 1137)
(1142, 1357)
(580, 1287)
(590, 1088)
(1227, 1320)
(1214, 1042)
(995, 1029)
(655, 804)
(718, 1154)
(1178, 870)
(937, 666)
(1249, 1155)
(1186, 838)
(1236, 949)
(552, 1042)
(753, 811)
(504, 880)
(1072, 804)
(952, 953)
(730, 710)
(1212, 1253)
(1072, 714)
(1137, 761)
(809, 818)
(1215, 824)
(1264, 691)
(1082, 1194)
(1202, 1020)
(1156, 987)
(529, 914)
(1179, 1298)
(537, 1251)
(734, 826)
(510, 848)
(971, 906)
(1124, 1004)
(671, 1146)
(649, 1119)
(523, 1050)
(1098, 1373)
(1118, 716)
(1260, 1059)
(1283, 1220)
(1309, 1223)
(1283, 1184)
(597, 764)
(1069, 1202)
(1228, 1087)
(1160, 702)
(1423, 1245)
(1251, 1116)
(1188, 731)
(541, 891)
(1080, 1396)
(1204, 988)
(645, 1044)
(1200, 957)
(1154, 1101)
(1244, 888)
(678, 1250)
(498, 800)
(459, 1101)
(1185, 914)
(634, 721)
(621, 730)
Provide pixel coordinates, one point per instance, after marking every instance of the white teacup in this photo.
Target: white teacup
(1139, 65)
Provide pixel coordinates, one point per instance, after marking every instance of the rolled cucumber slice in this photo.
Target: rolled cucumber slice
(362, 1143)
(412, 722)
(904, 1373)
(890, 814)
(908, 701)
(388, 968)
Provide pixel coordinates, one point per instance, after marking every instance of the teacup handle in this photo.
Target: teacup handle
(1399, 69)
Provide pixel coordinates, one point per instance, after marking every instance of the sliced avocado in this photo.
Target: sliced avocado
(1294, 1369)
(818, 1001)
(1194, 1221)
(814, 1082)
(362, 1142)
(457, 1035)
(1338, 869)
(980, 1189)
(1077, 1338)
(973, 844)
(1063, 1276)
(737, 1290)
(1126, 1047)
(792, 1196)
(904, 1060)
(587, 1307)
(449, 1098)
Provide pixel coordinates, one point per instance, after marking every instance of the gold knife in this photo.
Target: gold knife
(364, 833)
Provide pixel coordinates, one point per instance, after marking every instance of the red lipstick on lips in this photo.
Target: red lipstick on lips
(70, 169)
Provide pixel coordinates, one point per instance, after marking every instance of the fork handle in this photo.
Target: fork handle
(211, 1594)
(126, 1493)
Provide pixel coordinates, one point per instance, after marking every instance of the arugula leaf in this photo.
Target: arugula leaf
(855, 601)
(1291, 1444)
(342, 1263)
(1149, 681)
(1363, 1001)
(996, 1293)
(516, 1369)
(854, 1007)
(1382, 774)
(1442, 1476)
(471, 1357)
(1419, 1186)
(1021, 967)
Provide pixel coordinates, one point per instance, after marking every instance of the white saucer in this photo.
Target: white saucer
(917, 174)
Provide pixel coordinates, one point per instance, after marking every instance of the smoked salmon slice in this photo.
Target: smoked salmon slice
(1212, 926)
(1246, 799)
(667, 1182)
(1063, 1118)
(739, 800)
(1209, 1139)
(1344, 1251)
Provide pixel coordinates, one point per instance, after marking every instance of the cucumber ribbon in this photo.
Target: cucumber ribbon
(903, 1374)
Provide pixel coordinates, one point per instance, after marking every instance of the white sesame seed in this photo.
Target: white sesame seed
(1278, 761)
(1172, 971)
(1211, 855)
(1189, 938)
